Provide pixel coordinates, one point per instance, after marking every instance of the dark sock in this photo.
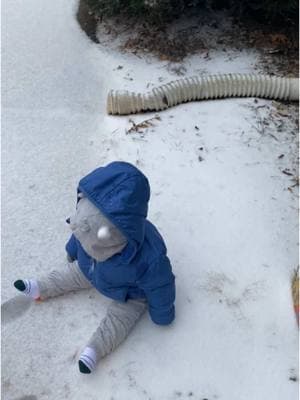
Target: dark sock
(83, 368)
(20, 285)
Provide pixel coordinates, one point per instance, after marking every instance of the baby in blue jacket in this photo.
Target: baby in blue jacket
(115, 249)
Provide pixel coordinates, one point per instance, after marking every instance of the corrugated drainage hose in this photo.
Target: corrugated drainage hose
(203, 88)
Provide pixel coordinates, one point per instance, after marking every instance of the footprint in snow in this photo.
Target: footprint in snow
(13, 309)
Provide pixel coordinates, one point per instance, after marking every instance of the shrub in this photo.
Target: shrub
(268, 11)
(162, 10)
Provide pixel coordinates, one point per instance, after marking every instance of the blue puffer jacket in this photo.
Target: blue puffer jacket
(142, 270)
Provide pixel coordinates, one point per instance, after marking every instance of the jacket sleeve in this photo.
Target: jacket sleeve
(71, 248)
(158, 283)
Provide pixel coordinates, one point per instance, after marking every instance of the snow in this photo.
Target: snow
(219, 198)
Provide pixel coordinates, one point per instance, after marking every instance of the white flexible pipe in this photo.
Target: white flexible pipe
(199, 88)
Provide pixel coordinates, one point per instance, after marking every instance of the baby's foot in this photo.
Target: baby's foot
(29, 287)
(87, 361)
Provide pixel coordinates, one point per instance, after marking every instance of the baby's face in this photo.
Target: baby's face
(97, 235)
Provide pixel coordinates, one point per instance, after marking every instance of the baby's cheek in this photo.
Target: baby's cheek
(97, 246)
(88, 238)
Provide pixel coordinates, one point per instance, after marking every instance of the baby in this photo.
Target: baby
(115, 249)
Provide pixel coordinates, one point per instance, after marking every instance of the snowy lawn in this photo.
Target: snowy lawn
(219, 197)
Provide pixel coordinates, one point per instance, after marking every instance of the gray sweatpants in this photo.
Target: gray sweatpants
(120, 317)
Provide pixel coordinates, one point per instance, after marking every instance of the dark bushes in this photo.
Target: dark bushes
(165, 10)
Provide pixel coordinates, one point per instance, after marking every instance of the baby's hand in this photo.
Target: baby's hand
(69, 258)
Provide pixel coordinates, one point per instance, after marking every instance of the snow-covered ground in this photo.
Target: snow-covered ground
(219, 198)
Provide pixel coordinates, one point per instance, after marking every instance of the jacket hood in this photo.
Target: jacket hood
(121, 192)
